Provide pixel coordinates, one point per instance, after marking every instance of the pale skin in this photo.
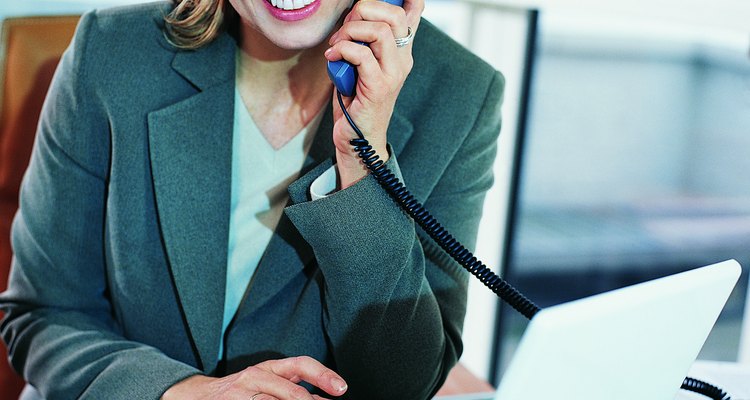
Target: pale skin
(283, 83)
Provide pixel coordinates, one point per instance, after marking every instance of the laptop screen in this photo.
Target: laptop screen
(632, 343)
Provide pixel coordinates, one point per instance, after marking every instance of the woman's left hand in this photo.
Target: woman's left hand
(382, 69)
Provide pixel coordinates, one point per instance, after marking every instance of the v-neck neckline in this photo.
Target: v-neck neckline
(303, 138)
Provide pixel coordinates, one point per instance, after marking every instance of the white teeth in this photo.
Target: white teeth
(290, 4)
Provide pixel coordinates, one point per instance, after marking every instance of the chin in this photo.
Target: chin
(301, 42)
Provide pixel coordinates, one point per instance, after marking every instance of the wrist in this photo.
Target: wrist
(186, 388)
(351, 168)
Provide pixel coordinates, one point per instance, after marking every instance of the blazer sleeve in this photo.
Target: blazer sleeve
(394, 302)
(58, 320)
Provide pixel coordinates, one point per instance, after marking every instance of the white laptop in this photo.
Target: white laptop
(635, 343)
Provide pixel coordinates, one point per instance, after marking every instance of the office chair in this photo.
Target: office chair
(30, 48)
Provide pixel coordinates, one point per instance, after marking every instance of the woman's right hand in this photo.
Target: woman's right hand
(269, 380)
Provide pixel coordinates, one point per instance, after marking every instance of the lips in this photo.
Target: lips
(292, 10)
(290, 4)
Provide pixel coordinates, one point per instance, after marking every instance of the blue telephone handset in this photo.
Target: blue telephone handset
(344, 75)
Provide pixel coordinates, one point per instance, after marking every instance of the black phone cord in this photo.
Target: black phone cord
(706, 389)
(431, 226)
(457, 251)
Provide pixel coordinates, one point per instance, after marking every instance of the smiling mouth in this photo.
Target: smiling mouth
(290, 4)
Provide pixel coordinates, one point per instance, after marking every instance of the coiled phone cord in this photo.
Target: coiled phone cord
(432, 227)
(457, 251)
(706, 389)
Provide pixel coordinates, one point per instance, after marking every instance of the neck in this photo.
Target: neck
(295, 78)
(282, 89)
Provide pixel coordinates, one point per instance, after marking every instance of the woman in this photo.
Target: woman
(157, 253)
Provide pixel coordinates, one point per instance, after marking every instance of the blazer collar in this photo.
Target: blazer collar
(208, 66)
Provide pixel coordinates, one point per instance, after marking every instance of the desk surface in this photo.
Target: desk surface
(462, 384)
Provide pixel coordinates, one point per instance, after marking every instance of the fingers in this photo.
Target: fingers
(398, 17)
(264, 396)
(376, 79)
(258, 379)
(381, 11)
(379, 37)
(307, 369)
(378, 24)
(269, 380)
(278, 379)
(414, 10)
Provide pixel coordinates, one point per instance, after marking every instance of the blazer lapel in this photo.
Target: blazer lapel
(399, 131)
(190, 149)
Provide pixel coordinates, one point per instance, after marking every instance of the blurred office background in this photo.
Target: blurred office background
(631, 127)
(624, 152)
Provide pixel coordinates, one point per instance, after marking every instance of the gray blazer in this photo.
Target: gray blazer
(117, 285)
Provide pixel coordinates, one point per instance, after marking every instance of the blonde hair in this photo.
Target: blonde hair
(195, 23)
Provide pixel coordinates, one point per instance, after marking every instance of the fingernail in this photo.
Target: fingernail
(333, 38)
(328, 52)
(338, 384)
